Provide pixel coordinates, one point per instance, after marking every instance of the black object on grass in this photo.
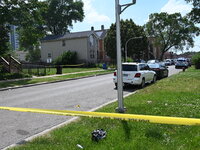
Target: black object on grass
(98, 134)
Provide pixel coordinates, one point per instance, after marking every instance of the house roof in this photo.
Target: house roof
(51, 37)
(77, 34)
(99, 33)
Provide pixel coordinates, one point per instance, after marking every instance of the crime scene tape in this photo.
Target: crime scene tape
(127, 117)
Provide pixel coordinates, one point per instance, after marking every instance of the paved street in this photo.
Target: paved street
(88, 93)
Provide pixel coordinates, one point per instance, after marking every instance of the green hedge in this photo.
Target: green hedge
(66, 58)
(196, 60)
(7, 76)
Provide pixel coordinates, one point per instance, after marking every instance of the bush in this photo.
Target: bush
(7, 76)
(129, 59)
(91, 65)
(66, 58)
(196, 60)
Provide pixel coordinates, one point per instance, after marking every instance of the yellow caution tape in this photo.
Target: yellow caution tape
(128, 117)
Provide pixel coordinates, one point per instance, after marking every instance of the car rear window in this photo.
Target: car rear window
(129, 67)
(181, 60)
(153, 65)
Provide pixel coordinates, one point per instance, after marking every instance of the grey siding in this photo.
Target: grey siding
(56, 48)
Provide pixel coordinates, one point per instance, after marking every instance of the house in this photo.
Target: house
(89, 45)
(21, 55)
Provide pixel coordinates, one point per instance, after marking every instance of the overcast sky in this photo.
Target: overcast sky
(102, 12)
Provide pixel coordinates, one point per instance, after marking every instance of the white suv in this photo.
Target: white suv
(136, 74)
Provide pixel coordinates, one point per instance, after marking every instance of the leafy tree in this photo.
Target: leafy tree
(4, 38)
(36, 18)
(135, 47)
(171, 31)
(34, 55)
(195, 12)
(24, 14)
(31, 24)
(60, 15)
(66, 58)
(196, 60)
(4, 29)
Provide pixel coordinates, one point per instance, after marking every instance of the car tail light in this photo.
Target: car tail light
(115, 73)
(156, 69)
(137, 75)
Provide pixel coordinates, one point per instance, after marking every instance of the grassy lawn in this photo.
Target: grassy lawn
(178, 95)
(50, 79)
(52, 71)
(70, 70)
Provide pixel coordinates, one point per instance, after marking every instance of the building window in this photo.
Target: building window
(63, 42)
(49, 55)
(91, 41)
(92, 54)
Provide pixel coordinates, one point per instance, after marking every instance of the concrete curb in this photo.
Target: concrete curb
(41, 83)
(61, 124)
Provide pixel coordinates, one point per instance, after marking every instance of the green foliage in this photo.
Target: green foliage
(196, 60)
(36, 18)
(194, 15)
(170, 31)
(7, 76)
(66, 58)
(60, 15)
(128, 30)
(25, 15)
(129, 59)
(33, 55)
(31, 24)
(4, 39)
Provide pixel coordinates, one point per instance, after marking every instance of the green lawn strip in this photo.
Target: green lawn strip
(52, 71)
(51, 79)
(178, 95)
(70, 70)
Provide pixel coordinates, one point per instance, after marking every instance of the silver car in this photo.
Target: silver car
(181, 63)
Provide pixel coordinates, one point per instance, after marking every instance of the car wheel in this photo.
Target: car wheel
(167, 75)
(154, 79)
(142, 84)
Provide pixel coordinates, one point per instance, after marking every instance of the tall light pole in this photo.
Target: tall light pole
(133, 38)
(118, 10)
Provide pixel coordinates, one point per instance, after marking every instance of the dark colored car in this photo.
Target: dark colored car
(160, 69)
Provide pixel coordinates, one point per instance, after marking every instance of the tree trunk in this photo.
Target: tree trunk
(161, 55)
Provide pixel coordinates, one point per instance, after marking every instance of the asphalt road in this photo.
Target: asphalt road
(88, 93)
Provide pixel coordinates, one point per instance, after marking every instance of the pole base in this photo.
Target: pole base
(120, 110)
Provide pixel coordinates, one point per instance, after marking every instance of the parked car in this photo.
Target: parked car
(173, 61)
(136, 74)
(152, 61)
(181, 63)
(168, 62)
(160, 69)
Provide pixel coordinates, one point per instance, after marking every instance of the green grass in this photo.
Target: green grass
(52, 71)
(178, 95)
(51, 79)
